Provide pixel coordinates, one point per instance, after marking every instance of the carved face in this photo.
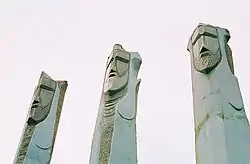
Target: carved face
(205, 49)
(42, 101)
(117, 73)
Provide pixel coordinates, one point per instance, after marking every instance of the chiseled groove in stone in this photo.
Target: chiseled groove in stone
(108, 111)
(107, 114)
(43, 148)
(112, 103)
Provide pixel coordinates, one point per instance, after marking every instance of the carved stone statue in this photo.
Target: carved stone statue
(222, 133)
(37, 141)
(114, 138)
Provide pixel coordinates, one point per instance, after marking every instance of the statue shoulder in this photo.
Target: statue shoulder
(127, 108)
(234, 96)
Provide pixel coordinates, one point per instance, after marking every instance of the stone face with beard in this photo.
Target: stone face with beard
(43, 97)
(115, 84)
(114, 139)
(116, 77)
(205, 48)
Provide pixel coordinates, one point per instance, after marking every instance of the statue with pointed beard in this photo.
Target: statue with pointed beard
(114, 139)
(37, 141)
(222, 133)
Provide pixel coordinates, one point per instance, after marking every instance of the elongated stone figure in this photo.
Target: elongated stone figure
(38, 138)
(114, 140)
(222, 133)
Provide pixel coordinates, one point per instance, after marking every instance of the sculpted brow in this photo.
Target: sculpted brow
(46, 87)
(204, 34)
(122, 59)
(110, 61)
(210, 34)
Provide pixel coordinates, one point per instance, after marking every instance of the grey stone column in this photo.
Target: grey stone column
(114, 140)
(38, 138)
(222, 133)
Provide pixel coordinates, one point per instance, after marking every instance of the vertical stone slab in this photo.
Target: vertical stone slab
(114, 139)
(38, 138)
(222, 133)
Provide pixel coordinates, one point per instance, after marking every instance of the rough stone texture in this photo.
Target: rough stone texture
(205, 48)
(114, 139)
(222, 134)
(25, 143)
(42, 122)
(207, 63)
(107, 127)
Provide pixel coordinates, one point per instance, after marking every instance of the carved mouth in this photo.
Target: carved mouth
(112, 75)
(204, 53)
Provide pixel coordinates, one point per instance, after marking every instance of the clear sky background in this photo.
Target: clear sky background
(71, 40)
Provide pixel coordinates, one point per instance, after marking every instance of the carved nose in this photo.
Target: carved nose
(204, 51)
(112, 73)
(36, 102)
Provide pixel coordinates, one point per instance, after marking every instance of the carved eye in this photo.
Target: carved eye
(122, 67)
(42, 86)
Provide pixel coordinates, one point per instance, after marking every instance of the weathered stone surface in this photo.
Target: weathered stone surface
(222, 133)
(38, 138)
(114, 139)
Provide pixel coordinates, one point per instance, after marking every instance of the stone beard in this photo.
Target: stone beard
(206, 50)
(119, 83)
(221, 125)
(116, 79)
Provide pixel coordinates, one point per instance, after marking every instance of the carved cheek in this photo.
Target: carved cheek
(43, 107)
(122, 67)
(212, 44)
(108, 71)
(196, 49)
(46, 97)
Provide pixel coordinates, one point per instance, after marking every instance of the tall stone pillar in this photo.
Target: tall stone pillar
(38, 138)
(222, 133)
(114, 140)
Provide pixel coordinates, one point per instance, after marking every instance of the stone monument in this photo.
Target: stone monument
(38, 138)
(114, 140)
(222, 133)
